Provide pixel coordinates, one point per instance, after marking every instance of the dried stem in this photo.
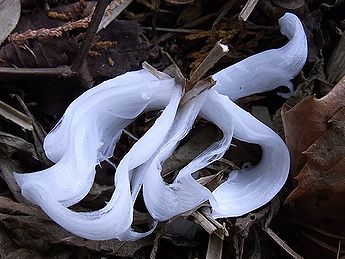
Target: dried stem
(63, 71)
(247, 10)
(90, 33)
(281, 243)
(218, 51)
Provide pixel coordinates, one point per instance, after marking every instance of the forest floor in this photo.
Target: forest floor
(51, 52)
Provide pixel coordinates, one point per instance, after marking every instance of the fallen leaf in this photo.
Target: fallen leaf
(9, 17)
(324, 170)
(308, 120)
(315, 136)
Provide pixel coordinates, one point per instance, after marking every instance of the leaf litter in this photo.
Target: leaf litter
(123, 46)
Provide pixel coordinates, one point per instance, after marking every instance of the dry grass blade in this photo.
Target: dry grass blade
(210, 225)
(323, 244)
(336, 65)
(282, 244)
(219, 50)
(15, 116)
(112, 11)
(226, 8)
(195, 85)
(215, 247)
(38, 133)
(321, 231)
(247, 10)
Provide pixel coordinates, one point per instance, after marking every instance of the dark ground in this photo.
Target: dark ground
(158, 32)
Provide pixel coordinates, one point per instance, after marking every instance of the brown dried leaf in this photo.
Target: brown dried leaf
(316, 148)
(308, 120)
(325, 168)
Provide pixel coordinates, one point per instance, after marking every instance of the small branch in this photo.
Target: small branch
(192, 24)
(218, 51)
(323, 244)
(156, 242)
(63, 71)
(90, 33)
(178, 30)
(15, 116)
(226, 8)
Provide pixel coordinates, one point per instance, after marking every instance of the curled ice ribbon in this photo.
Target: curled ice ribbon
(92, 124)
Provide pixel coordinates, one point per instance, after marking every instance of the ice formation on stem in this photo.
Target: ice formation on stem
(92, 124)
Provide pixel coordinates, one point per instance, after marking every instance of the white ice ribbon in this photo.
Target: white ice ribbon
(92, 124)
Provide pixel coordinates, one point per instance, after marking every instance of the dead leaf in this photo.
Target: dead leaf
(308, 120)
(325, 168)
(314, 131)
(9, 17)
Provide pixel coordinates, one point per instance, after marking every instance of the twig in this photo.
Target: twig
(218, 51)
(247, 10)
(112, 11)
(281, 243)
(15, 116)
(90, 33)
(215, 247)
(226, 8)
(195, 85)
(175, 30)
(186, 26)
(323, 244)
(156, 242)
(321, 231)
(63, 71)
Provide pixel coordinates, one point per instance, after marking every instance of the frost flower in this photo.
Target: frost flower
(92, 124)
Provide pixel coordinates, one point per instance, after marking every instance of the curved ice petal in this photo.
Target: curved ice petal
(92, 128)
(164, 201)
(269, 69)
(251, 188)
(56, 141)
(114, 220)
(93, 123)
